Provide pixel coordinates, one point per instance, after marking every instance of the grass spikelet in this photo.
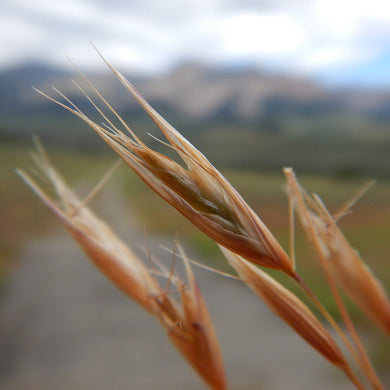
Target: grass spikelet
(290, 308)
(188, 324)
(202, 350)
(352, 274)
(97, 239)
(199, 191)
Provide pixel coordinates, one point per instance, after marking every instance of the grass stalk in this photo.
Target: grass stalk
(203, 195)
(358, 352)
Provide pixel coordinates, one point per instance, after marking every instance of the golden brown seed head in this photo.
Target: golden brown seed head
(187, 323)
(353, 275)
(289, 307)
(199, 191)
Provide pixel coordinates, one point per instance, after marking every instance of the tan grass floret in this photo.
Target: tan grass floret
(188, 325)
(198, 191)
(353, 275)
(290, 308)
(207, 199)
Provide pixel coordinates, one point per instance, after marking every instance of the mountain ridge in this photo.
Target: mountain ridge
(200, 93)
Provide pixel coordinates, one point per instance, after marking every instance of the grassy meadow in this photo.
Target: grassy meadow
(367, 227)
(25, 218)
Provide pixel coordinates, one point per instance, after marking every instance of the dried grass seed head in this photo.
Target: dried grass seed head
(199, 191)
(350, 271)
(353, 275)
(290, 308)
(187, 323)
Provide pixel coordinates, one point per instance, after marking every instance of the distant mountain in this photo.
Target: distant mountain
(199, 93)
(16, 93)
(240, 118)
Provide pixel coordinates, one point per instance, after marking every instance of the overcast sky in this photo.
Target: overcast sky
(337, 41)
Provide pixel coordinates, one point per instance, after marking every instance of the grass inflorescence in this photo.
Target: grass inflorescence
(194, 187)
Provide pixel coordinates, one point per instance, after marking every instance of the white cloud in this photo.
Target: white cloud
(18, 38)
(305, 35)
(330, 56)
(261, 35)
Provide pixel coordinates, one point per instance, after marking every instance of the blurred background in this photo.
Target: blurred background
(256, 86)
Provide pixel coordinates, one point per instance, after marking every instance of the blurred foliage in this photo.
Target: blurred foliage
(334, 145)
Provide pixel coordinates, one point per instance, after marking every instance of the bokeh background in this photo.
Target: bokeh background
(256, 86)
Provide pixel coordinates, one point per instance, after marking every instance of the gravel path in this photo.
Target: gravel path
(64, 326)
